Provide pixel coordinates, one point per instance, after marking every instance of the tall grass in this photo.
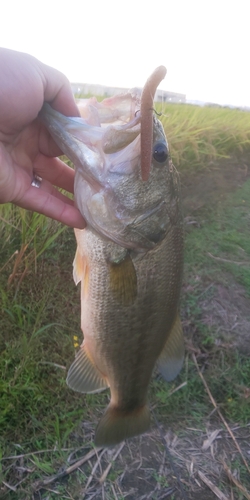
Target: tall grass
(198, 135)
(28, 235)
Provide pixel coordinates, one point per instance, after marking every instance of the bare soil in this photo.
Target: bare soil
(161, 465)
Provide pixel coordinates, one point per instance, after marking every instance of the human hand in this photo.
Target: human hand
(26, 147)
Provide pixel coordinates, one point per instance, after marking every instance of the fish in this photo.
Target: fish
(129, 258)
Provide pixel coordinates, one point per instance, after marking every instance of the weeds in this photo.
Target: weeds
(44, 426)
(30, 235)
(199, 135)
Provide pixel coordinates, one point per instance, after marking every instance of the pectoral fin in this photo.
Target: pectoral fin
(83, 376)
(123, 280)
(78, 267)
(81, 272)
(171, 358)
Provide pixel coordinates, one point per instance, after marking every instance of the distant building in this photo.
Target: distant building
(105, 91)
(167, 96)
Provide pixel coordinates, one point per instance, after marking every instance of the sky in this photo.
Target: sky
(204, 44)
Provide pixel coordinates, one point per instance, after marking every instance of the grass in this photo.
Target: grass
(40, 322)
(223, 231)
(199, 135)
(29, 235)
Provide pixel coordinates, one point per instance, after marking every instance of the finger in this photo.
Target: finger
(57, 90)
(49, 189)
(53, 206)
(55, 171)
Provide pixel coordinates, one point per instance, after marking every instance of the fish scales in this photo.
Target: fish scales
(129, 260)
(147, 319)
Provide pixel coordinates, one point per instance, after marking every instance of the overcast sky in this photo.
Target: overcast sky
(204, 44)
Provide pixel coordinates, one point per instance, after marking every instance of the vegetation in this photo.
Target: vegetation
(44, 426)
(198, 135)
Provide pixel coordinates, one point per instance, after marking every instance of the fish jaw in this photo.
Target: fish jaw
(75, 136)
(126, 210)
(86, 143)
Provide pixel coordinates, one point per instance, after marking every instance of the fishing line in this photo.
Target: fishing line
(171, 459)
(156, 112)
(161, 102)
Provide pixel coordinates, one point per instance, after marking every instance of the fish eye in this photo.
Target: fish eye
(160, 152)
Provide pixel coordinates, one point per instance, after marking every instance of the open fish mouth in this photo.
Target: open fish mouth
(116, 146)
(120, 135)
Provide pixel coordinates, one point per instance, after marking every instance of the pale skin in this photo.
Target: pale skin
(26, 147)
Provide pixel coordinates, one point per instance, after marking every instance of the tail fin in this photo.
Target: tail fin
(117, 425)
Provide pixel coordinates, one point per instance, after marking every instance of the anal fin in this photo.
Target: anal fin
(83, 376)
(171, 358)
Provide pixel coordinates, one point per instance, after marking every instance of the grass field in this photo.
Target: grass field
(199, 135)
(46, 430)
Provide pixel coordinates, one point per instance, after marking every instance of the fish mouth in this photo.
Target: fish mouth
(89, 134)
(147, 99)
(111, 146)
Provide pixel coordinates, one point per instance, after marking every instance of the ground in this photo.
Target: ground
(190, 451)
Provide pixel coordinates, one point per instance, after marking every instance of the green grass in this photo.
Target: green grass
(38, 411)
(40, 314)
(198, 135)
(24, 237)
(225, 373)
(223, 234)
(223, 231)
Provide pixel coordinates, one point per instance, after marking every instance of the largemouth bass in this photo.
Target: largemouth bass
(129, 257)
